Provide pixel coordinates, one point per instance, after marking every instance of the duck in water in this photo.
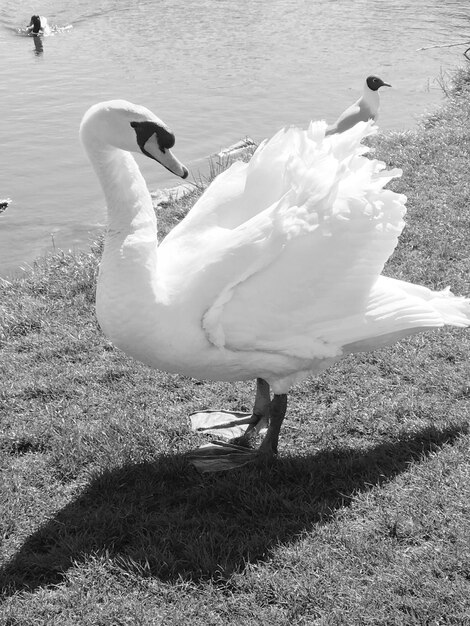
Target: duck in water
(38, 25)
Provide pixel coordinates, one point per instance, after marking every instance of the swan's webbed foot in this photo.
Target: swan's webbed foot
(239, 451)
(238, 428)
(228, 425)
(219, 456)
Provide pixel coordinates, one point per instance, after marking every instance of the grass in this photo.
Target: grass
(365, 517)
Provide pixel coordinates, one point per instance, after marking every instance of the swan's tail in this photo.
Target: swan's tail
(454, 310)
(410, 304)
(397, 309)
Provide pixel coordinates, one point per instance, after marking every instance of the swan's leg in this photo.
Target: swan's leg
(260, 414)
(278, 409)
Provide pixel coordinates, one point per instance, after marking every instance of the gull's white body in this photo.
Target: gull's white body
(274, 273)
(363, 110)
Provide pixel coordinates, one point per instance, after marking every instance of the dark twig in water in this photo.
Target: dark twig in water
(445, 45)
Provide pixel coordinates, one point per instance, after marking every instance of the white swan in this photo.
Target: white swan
(363, 110)
(274, 274)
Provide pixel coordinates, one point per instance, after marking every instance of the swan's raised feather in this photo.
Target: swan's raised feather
(296, 267)
(275, 272)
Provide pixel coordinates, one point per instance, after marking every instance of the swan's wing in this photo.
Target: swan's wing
(301, 278)
(222, 196)
(335, 227)
(244, 190)
(344, 308)
(235, 229)
(201, 265)
(313, 295)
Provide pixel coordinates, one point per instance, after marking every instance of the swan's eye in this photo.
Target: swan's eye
(165, 138)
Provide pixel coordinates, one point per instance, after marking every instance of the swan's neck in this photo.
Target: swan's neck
(129, 261)
(128, 201)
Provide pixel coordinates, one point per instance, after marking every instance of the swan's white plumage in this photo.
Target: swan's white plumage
(316, 291)
(274, 273)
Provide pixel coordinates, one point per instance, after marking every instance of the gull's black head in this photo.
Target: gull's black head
(374, 83)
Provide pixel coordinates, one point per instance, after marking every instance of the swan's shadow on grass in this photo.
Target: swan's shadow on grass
(164, 520)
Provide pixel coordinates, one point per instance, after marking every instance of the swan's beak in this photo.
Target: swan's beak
(167, 158)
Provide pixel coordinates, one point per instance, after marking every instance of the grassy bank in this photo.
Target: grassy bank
(364, 519)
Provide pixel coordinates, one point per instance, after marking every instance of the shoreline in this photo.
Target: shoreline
(10, 271)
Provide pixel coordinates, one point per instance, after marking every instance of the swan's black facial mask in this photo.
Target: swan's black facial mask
(159, 140)
(144, 130)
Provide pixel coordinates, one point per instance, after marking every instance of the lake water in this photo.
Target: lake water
(214, 70)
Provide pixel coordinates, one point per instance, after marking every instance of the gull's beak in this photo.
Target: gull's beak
(386, 84)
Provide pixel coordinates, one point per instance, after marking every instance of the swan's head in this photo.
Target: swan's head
(374, 83)
(126, 126)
